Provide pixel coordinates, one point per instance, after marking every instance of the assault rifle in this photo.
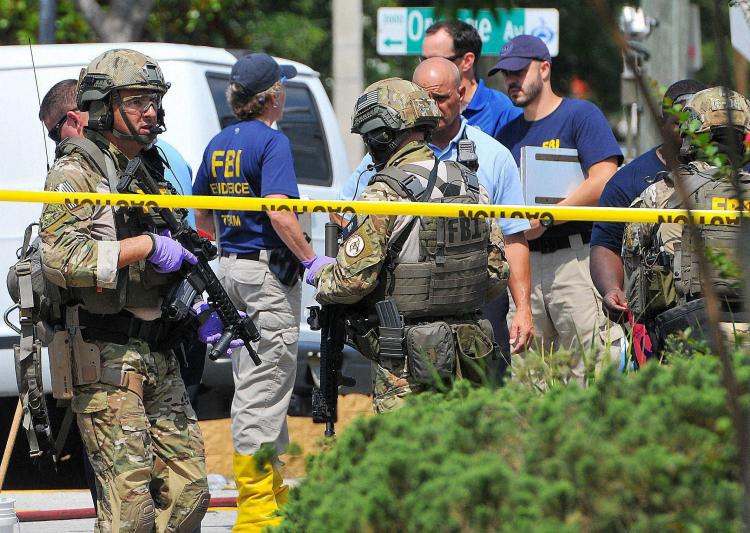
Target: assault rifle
(197, 278)
(329, 319)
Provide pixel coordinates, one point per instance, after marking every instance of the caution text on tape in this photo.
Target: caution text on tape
(232, 203)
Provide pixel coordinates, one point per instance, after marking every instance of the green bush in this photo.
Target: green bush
(650, 451)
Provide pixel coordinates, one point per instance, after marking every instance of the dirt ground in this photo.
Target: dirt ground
(304, 437)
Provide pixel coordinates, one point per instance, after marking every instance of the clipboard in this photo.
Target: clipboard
(549, 175)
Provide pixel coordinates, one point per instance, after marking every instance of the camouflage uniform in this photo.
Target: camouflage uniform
(140, 432)
(662, 281)
(359, 264)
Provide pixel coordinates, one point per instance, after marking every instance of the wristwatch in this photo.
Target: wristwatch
(546, 222)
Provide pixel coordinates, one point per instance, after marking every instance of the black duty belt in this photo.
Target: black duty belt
(251, 256)
(121, 327)
(547, 246)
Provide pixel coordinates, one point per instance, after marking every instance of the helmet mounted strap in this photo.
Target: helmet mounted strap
(134, 135)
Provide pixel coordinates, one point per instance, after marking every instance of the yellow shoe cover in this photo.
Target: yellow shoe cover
(260, 494)
(279, 489)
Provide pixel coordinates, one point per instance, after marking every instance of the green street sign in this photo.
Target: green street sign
(401, 29)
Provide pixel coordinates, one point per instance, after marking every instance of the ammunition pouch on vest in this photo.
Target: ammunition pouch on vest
(429, 353)
(709, 191)
(139, 284)
(451, 276)
(661, 267)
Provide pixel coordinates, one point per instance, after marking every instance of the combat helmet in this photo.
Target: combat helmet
(99, 83)
(719, 107)
(720, 111)
(394, 104)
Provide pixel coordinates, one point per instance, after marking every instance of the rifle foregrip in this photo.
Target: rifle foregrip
(220, 347)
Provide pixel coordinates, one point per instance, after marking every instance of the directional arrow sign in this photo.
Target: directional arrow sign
(401, 29)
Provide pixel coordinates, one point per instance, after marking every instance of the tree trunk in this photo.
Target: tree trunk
(122, 22)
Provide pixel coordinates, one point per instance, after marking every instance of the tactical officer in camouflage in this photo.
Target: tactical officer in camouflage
(140, 432)
(662, 275)
(414, 285)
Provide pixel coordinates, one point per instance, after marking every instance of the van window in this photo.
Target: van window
(301, 124)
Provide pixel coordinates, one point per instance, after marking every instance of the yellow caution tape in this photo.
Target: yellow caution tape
(232, 203)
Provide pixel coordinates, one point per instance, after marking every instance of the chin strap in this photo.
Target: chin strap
(134, 135)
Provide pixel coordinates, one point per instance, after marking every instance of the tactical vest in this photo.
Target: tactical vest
(449, 277)
(661, 265)
(138, 285)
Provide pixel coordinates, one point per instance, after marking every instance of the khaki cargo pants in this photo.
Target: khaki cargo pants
(566, 307)
(262, 393)
(147, 453)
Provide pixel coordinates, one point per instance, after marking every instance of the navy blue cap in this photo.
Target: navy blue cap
(519, 52)
(256, 72)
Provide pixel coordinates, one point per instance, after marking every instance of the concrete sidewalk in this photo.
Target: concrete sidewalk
(220, 519)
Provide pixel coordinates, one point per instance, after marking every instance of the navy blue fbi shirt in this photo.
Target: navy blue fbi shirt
(574, 124)
(247, 159)
(625, 186)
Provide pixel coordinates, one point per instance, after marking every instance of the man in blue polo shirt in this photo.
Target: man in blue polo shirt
(498, 174)
(459, 42)
(566, 308)
(624, 187)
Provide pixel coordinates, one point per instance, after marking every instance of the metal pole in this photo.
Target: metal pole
(47, 17)
(348, 69)
(668, 45)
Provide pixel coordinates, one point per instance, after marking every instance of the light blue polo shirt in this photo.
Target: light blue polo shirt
(490, 110)
(497, 172)
(178, 173)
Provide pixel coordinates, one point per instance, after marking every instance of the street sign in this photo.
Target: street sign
(739, 24)
(401, 29)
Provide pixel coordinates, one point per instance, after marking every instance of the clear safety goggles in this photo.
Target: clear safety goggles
(142, 102)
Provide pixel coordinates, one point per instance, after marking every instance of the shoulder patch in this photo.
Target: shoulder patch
(354, 245)
(52, 213)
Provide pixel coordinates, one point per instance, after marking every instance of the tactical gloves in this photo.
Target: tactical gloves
(212, 328)
(167, 254)
(315, 264)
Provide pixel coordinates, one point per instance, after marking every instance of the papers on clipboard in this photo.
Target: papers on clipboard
(549, 174)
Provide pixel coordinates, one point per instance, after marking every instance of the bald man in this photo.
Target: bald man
(497, 173)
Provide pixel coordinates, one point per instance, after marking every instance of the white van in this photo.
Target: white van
(196, 110)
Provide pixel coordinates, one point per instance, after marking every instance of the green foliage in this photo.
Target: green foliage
(266, 454)
(19, 22)
(293, 449)
(648, 451)
(725, 267)
(298, 29)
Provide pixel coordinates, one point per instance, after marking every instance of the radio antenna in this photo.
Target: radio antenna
(38, 99)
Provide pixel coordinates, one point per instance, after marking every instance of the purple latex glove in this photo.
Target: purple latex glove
(168, 254)
(315, 264)
(210, 331)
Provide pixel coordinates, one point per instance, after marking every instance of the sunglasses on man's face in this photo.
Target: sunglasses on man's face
(54, 132)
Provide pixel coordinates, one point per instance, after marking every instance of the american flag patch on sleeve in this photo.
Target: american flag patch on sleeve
(66, 187)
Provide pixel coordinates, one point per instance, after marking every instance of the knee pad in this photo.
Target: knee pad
(193, 518)
(143, 516)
